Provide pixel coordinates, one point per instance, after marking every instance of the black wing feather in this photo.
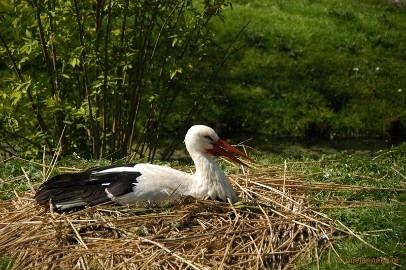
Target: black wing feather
(86, 188)
(67, 179)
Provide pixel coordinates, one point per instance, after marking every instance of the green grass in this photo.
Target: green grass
(380, 220)
(381, 226)
(327, 67)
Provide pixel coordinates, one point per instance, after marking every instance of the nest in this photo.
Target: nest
(273, 227)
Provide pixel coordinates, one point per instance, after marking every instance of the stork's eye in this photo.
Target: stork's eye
(209, 138)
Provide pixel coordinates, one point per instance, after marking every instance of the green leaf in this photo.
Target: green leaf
(174, 72)
(74, 62)
(28, 33)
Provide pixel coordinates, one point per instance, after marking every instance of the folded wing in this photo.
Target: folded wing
(90, 187)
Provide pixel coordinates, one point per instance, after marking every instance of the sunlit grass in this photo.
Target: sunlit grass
(336, 66)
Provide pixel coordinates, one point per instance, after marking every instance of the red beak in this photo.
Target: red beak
(220, 147)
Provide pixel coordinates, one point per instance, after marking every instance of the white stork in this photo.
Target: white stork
(128, 184)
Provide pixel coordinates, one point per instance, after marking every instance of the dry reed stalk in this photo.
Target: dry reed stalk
(274, 227)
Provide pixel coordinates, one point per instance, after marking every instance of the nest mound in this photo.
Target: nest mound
(273, 227)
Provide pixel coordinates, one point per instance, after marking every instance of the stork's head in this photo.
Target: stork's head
(203, 139)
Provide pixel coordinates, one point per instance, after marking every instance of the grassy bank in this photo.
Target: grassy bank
(315, 68)
(364, 196)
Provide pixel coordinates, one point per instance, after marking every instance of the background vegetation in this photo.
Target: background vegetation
(104, 78)
(116, 77)
(316, 68)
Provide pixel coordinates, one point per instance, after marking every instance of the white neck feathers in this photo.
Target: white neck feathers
(210, 180)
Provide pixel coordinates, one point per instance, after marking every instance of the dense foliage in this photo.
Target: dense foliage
(104, 78)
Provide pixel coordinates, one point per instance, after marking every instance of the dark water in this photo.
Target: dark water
(296, 147)
(302, 147)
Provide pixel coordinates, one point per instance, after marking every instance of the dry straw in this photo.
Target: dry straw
(275, 226)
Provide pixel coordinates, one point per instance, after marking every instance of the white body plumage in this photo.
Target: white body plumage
(128, 184)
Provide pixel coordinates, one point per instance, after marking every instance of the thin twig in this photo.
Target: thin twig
(28, 180)
(359, 237)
